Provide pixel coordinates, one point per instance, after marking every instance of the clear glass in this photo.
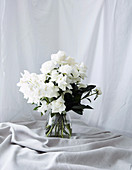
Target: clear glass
(59, 125)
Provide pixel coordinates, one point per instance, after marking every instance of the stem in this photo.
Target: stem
(47, 126)
(89, 95)
(58, 129)
(62, 129)
(55, 129)
(69, 129)
(50, 130)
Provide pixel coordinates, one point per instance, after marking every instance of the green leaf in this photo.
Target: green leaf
(81, 107)
(41, 114)
(74, 89)
(80, 112)
(88, 88)
(86, 95)
(78, 107)
(68, 101)
(36, 107)
(89, 100)
(88, 107)
(96, 97)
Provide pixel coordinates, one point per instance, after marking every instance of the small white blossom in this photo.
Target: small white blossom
(98, 90)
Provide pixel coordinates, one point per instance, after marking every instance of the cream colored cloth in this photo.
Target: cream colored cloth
(23, 146)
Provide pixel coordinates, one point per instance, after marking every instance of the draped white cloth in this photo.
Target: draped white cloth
(24, 146)
(97, 32)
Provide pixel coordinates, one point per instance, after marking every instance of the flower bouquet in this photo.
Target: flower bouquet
(57, 90)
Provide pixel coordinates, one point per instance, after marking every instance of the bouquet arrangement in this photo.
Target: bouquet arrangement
(57, 90)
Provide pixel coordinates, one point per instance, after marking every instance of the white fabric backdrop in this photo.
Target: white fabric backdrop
(97, 32)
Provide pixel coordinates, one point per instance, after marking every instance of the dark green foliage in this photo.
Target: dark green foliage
(73, 101)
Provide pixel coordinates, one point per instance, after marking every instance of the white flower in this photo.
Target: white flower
(41, 90)
(51, 90)
(62, 82)
(70, 61)
(47, 67)
(59, 57)
(44, 107)
(25, 78)
(58, 105)
(28, 86)
(75, 72)
(82, 70)
(66, 69)
(54, 75)
(42, 77)
(82, 67)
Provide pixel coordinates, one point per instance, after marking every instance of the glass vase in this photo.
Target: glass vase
(58, 125)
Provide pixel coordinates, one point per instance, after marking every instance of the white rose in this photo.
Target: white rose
(75, 72)
(66, 69)
(54, 75)
(58, 105)
(59, 57)
(62, 82)
(51, 90)
(47, 67)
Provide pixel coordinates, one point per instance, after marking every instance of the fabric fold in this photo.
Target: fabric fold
(25, 146)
